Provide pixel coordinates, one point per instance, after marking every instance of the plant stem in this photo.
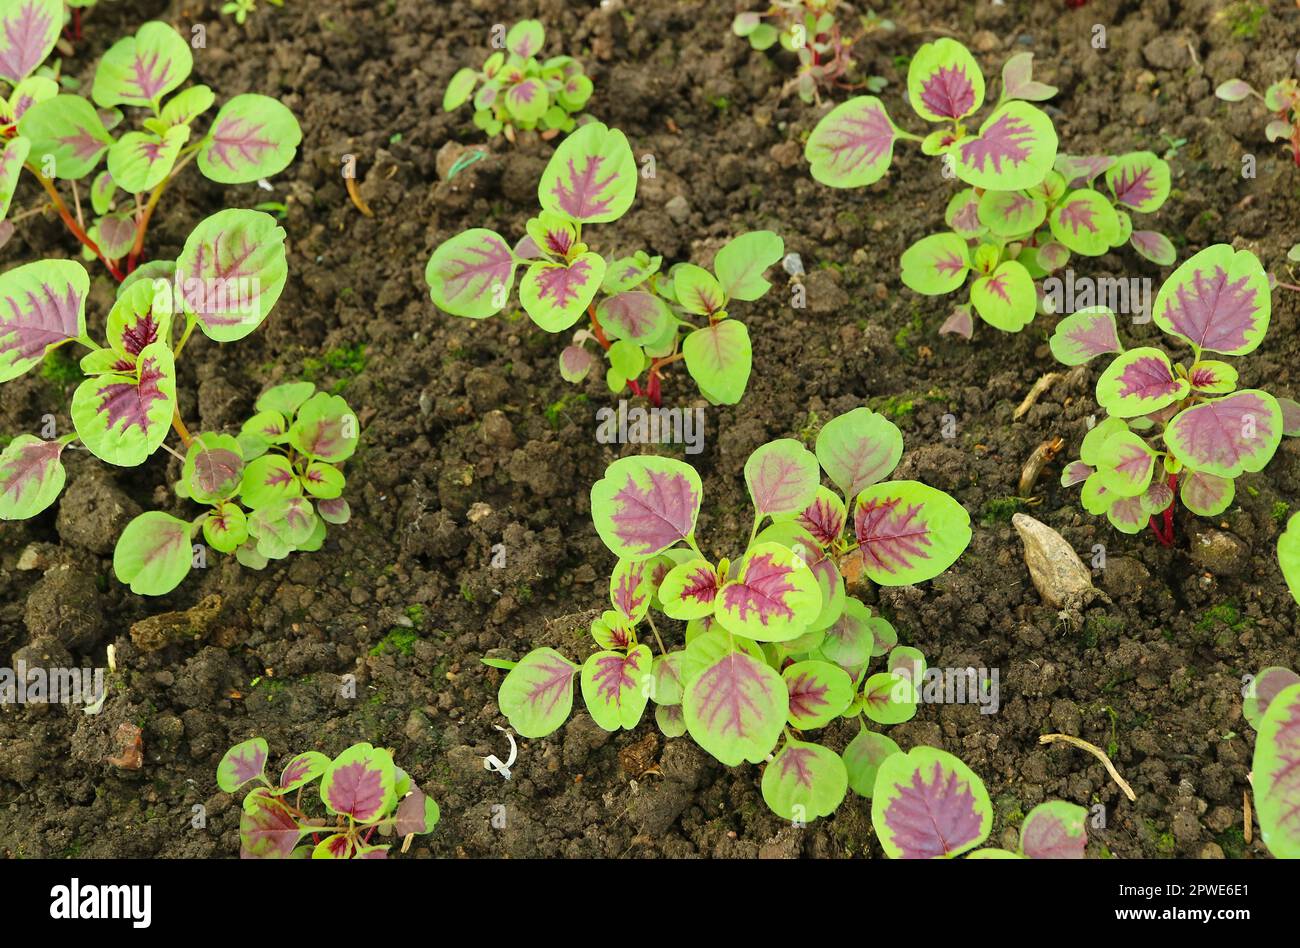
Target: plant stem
(179, 426)
(605, 344)
(72, 225)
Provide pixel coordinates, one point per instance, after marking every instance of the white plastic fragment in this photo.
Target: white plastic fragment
(492, 762)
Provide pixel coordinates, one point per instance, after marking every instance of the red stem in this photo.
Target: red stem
(1165, 534)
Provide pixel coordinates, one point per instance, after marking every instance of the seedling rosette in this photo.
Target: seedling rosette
(59, 136)
(517, 91)
(1184, 429)
(773, 644)
(809, 30)
(1026, 208)
(266, 492)
(1282, 99)
(643, 319)
(361, 792)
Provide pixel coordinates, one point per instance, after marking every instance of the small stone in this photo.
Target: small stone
(678, 208)
(33, 557)
(130, 747)
(1219, 552)
(1058, 574)
(792, 264)
(479, 511)
(170, 628)
(496, 431)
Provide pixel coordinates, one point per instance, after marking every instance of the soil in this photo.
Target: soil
(473, 445)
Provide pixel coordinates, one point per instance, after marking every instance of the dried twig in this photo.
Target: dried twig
(1095, 751)
(1247, 830)
(1039, 387)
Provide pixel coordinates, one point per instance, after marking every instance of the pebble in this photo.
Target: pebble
(1058, 574)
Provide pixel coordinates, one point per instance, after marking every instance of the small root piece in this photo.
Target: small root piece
(355, 195)
(1247, 830)
(1095, 751)
(1042, 455)
(1035, 392)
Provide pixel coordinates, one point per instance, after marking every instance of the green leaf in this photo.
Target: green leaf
(1005, 299)
(282, 527)
(1011, 213)
(139, 70)
(285, 398)
(459, 89)
(592, 176)
(697, 290)
(213, 468)
(325, 429)
(31, 476)
(187, 105)
(616, 687)
(863, 757)
(936, 264)
(735, 705)
(153, 553)
(719, 358)
(12, 156)
(226, 527)
(232, 271)
(819, 693)
(889, 698)
(324, 481)
(268, 480)
(804, 781)
(537, 695)
(740, 264)
(1288, 555)
(1085, 222)
(1276, 774)
(139, 161)
(123, 417)
(67, 132)
(252, 137)
(1127, 464)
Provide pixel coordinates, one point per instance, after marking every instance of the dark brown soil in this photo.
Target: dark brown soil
(471, 440)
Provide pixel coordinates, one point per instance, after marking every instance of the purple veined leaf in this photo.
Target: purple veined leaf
(1128, 464)
(124, 417)
(268, 480)
(772, 596)
(1007, 298)
(1076, 472)
(1290, 416)
(527, 249)
(556, 295)
(65, 131)
(863, 757)
(1276, 774)
(1084, 335)
(1219, 300)
(927, 804)
(782, 476)
(27, 93)
(267, 830)
(1234, 90)
(936, 264)
(804, 781)
(630, 589)
(153, 553)
(908, 532)
(1093, 497)
(960, 323)
(1015, 148)
(890, 697)
(944, 81)
(139, 70)
(1011, 213)
(1263, 688)
(644, 505)
(282, 527)
(1154, 246)
(31, 476)
(806, 548)
(114, 233)
(575, 363)
(613, 630)
(42, 305)
(1213, 377)
(671, 719)
(360, 783)
(592, 176)
(1085, 222)
(819, 692)
(334, 511)
(140, 317)
(719, 358)
(858, 448)
(849, 642)
(252, 137)
(1127, 514)
(1227, 436)
(1139, 381)
(525, 38)
(231, 272)
(627, 273)
(1205, 495)
(1079, 170)
(537, 695)
(616, 687)
(735, 705)
(669, 688)
(526, 100)
(325, 429)
(853, 144)
(690, 590)
(140, 161)
(244, 762)
(336, 846)
(417, 813)
(1018, 80)
(28, 31)
(302, 770)
(635, 315)
(471, 274)
(12, 156)
(1054, 830)
(962, 214)
(824, 517)
(1140, 180)
(1157, 497)
(213, 468)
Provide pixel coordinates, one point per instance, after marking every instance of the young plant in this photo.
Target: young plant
(1026, 208)
(644, 320)
(520, 92)
(362, 791)
(927, 804)
(59, 136)
(225, 282)
(1272, 706)
(808, 29)
(1282, 98)
(1176, 428)
(773, 645)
